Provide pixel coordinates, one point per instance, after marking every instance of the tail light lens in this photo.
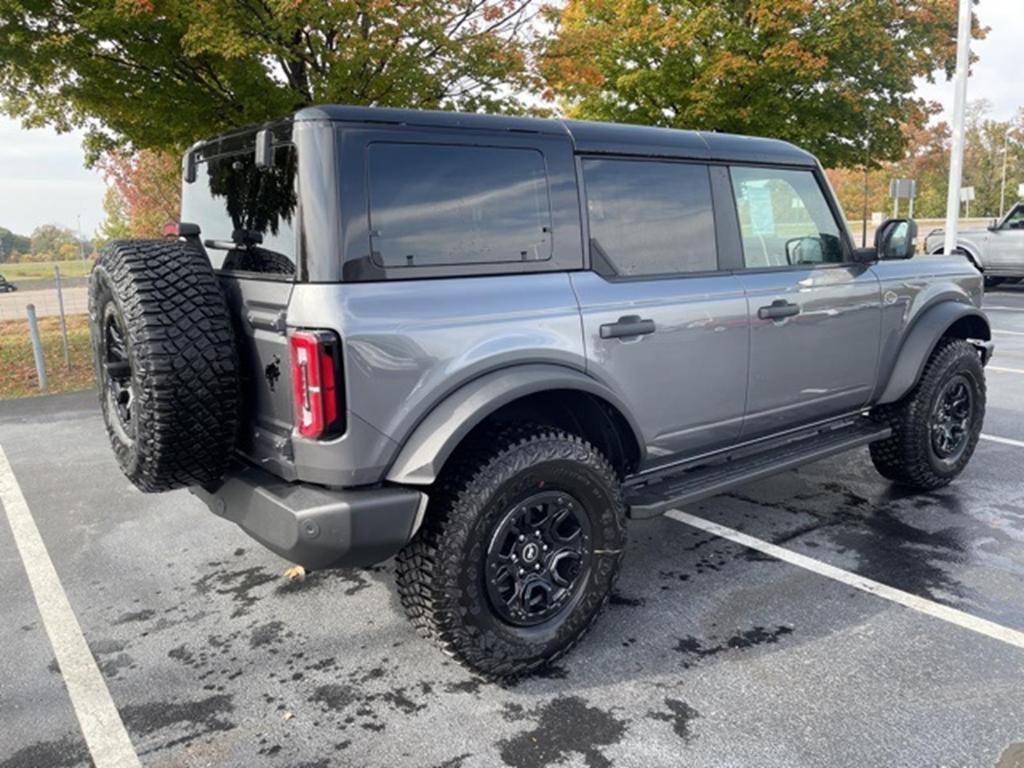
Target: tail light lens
(317, 379)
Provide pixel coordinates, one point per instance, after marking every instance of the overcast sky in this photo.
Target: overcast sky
(42, 179)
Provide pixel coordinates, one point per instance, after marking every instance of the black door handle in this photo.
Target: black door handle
(630, 325)
(778, 309)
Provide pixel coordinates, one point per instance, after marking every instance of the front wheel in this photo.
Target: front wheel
(519, 550)
(935, 428)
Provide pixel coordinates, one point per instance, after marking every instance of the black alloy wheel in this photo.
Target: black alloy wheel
(537, 558)
(117, 372)
(951, 418)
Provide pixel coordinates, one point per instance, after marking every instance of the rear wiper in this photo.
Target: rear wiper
(240, 238)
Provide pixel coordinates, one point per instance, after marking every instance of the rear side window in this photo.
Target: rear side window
(785, 219)
(246, 215)
(650, 218)
(437, 205)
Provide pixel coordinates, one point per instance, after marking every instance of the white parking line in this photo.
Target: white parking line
(1002, 440)
(1007, 333)
(907, 600)
(101, 725)
(1000, 369)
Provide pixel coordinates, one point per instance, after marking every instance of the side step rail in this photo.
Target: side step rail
(699, 483)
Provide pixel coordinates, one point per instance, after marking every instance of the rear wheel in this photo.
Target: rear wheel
(935, 428)
(519, 551)
(166, 363)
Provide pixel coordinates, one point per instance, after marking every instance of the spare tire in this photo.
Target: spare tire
(166, 362)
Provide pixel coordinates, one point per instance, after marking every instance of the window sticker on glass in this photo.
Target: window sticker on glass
(762, 212)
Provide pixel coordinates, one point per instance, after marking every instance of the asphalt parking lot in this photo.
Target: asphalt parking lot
(711, 654)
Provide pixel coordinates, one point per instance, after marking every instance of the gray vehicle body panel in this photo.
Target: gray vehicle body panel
(426, 359)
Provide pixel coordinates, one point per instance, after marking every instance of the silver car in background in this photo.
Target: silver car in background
(997, 250)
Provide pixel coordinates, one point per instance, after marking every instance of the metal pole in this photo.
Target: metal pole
(81, 245)
(1002, 188)
(867, 162)
(956, 154)
(63, 324)
(37, 345)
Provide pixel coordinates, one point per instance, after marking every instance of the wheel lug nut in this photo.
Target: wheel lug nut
(536, 567)
(522, 537)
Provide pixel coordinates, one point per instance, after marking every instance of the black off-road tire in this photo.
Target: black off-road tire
(441, 573)
(166, 363)
(908, 456)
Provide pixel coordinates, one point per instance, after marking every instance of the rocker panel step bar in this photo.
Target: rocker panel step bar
(699, 483)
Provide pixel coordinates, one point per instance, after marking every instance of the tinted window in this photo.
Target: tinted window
(650, 218)
(784, 218)
(246, 215)
(434, 205)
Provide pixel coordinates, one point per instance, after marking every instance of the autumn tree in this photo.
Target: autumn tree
(823, 74)
(927, 162)
(143, 193)
(159, 74)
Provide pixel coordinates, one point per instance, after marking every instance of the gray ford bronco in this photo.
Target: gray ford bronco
(480, 344)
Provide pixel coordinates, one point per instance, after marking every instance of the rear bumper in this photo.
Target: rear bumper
(317, 527)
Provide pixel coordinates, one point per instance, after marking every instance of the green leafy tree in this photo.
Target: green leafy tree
(163, 73)
(12, 244)
(820, 73)
(48, 239)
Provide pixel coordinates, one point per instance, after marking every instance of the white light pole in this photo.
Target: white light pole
(956, 158)
(1002, 188)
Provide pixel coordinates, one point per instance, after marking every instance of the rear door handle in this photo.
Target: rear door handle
(778, 309)
(626, 327)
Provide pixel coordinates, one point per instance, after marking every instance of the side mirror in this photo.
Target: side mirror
(896, 239)
(805, 250)
(994, 225)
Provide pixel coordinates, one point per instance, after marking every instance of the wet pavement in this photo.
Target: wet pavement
(710, 654)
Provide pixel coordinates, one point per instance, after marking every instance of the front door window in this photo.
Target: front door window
(785, 219)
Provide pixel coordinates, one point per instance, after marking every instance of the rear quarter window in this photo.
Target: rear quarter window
(246, 215)
(445, 205)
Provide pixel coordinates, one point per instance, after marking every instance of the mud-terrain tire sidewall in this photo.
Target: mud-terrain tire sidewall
(909, 457)
(183, 357)
(458, 610)
(102, 302)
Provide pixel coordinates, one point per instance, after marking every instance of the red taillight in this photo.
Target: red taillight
(316, 371)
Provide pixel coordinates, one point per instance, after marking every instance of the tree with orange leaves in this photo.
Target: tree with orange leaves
(824, 74)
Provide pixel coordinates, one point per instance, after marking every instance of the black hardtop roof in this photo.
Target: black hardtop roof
(587, 136)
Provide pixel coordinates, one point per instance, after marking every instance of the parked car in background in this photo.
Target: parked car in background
(997, 250)
(5, 286)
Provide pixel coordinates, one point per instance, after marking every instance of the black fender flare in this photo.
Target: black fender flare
(921, 341)
(425, 451)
